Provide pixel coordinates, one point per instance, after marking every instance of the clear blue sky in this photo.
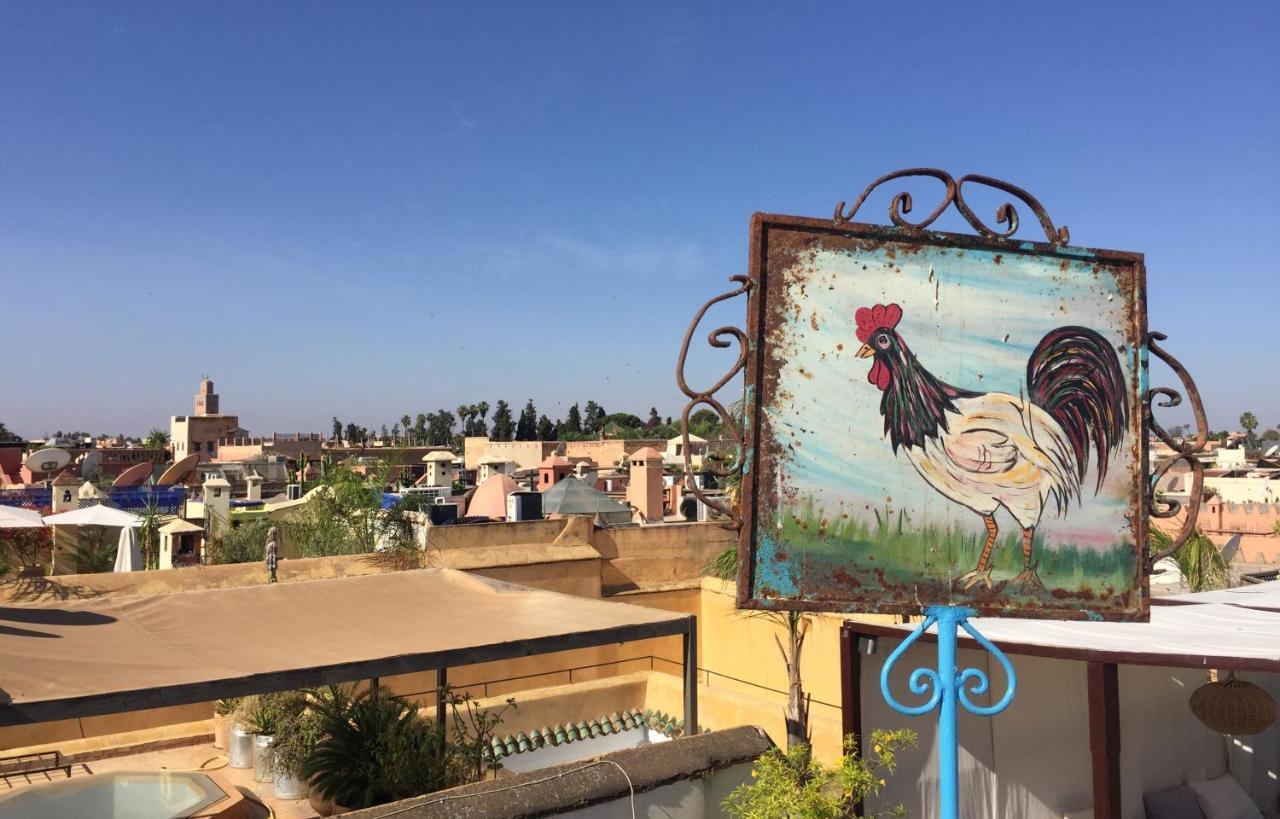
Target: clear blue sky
(370, 209)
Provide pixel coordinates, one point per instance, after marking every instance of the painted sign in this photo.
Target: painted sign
(942, 419)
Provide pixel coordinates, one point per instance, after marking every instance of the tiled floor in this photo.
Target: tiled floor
(188, 758)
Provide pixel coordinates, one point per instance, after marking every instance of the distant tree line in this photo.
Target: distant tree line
(586, 422)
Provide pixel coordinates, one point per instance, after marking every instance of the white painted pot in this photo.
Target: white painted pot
(290, 786)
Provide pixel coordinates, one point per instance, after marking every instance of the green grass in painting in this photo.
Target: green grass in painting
(887, 541)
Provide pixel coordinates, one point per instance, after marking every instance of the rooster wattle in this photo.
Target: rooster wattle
(987, 450)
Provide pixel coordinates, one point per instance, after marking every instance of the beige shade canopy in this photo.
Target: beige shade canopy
(127, 653)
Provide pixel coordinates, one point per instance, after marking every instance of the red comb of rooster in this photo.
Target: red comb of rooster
(872, 319)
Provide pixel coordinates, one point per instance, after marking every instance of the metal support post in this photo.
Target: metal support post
(947, 687)
(691, 678)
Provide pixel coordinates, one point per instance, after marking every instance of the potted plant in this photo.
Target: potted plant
(262, 715)
(296, 738)
(375, 748)
(223, 715)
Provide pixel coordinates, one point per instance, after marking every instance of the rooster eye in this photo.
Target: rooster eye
(882, 341)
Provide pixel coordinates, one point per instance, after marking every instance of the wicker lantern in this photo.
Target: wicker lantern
(1233, 706)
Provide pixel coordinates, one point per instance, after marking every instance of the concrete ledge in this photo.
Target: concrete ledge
(587, 782)
(105, 746)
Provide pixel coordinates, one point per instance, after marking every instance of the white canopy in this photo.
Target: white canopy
(1254, 596)
(128, 551)
(97, 515)
(1208, 635)
(13, 517)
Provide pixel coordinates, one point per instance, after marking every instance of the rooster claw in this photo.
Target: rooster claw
(1028, 580)
(978, 576)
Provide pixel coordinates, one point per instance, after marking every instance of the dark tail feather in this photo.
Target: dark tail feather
(1075, 376)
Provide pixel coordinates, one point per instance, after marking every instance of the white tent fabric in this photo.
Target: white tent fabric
(97, 515)
(1209, 631)
(1254, 596)
(13, 517)
(128, 551)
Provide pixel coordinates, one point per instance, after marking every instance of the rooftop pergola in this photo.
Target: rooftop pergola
(1230, 630)
(89, 657)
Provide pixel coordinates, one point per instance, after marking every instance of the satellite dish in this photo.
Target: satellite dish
(135, 475)
(1229, 551)
(90, 463)
(49, 459)
(179, 471)
(1271, 453)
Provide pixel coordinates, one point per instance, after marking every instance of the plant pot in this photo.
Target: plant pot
(322, 805)
(239, 748)
(290, 786)
(221, 731)
(262, 758)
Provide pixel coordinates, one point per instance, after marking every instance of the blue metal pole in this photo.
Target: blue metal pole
(948, 742)
(948, 689)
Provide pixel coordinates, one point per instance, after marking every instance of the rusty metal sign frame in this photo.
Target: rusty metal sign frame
(750, 359)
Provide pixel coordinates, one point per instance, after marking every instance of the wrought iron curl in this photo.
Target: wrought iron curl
(719, 338)
(983, 682)
(1006, 213)
(922, 680)
(1187, 452)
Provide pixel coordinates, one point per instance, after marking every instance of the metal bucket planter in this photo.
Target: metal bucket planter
(262, 758)
(290, 786)
(239, 748)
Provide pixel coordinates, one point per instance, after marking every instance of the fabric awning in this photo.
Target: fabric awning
(13, 517)
(1209, 635)
(96, 515)
(87, 657)
(1264, 596)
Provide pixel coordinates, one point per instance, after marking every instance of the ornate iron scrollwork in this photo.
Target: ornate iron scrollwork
(720, 338)
(1185, 451)
(1006, 214)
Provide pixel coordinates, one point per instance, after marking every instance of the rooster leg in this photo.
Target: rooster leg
(1028, 579)
(982, 574)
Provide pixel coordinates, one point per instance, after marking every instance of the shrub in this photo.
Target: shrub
(246, 543)
(375, 749)
(265, 713)
(792, 784)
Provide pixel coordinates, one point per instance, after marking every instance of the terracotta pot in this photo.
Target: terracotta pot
(323, 806)
(221, 730)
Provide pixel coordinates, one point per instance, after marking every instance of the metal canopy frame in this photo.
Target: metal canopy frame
(1102, 685)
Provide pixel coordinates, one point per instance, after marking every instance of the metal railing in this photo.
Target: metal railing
(705, 677)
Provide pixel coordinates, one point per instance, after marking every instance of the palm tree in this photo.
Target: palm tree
(464, 416)
(156, 439)
(1199, 560)
(1249, 422)
(405, 422)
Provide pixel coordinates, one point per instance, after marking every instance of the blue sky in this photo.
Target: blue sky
(364, 210)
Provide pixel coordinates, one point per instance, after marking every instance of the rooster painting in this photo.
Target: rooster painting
(993, 450)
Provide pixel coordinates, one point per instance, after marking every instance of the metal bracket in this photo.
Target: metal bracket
(720, 338)
(1006, 214)
(1186, 451)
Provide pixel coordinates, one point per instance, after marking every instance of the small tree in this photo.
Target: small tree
(503, 426)
(573, 421)
(792, 784)
(156, 439)
(546, 430)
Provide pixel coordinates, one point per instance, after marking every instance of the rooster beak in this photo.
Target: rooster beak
(865, 351)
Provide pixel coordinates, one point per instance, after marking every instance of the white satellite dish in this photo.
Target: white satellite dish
(90, 462)
(1271, 453)
(49, 459)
